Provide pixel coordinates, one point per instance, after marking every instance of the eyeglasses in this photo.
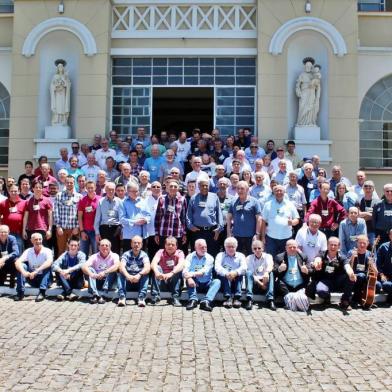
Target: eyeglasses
(156, 186)
(257, 248)
(388, 191)
(253, 146)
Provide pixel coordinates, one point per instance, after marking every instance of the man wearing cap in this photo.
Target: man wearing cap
(204, 216)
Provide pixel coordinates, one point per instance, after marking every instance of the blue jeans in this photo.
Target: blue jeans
(274, 246)
(41, 281)
(124, 286)
(19, 241)
(85, 244)
(211, 289)
(76, 281)
(251, 289)
(105, 284)
(173, 285)
(233, 287)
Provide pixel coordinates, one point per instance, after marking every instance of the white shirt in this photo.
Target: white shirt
(260, 267)
(311, 244)
(183, 150)
(275, 165)
(34, 260)
(101, 155)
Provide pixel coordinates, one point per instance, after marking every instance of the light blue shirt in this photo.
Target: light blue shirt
(293, 276)
(152, 165)
(194, 263)
(348, 233)
(131, 211)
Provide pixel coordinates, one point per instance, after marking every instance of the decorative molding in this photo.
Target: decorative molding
(308, 23)
(182, 2)
(5, 49)
(61, 23)
(184, 21)
(168, 52)
(374, 50)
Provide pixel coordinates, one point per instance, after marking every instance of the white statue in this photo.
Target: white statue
(308, 90)
(60, 89)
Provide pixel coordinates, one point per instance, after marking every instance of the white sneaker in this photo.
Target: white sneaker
(121, 302)
(141, 303)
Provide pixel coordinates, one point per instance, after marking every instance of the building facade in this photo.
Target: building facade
(178, 64)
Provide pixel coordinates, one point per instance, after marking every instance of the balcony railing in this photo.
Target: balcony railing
(6, 6)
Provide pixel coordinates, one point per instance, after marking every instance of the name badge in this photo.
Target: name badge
(361, 267)
(353, 237)
(260, 269)
(111, 213)
(222, 157)
(388, 213)
(294, 271)
(324, 212)
(260, 194)
(5, 253)
(251, 161)
(292, 196)
(170, 209)
(46, 183)
(36, 207)
(240, 207)
(310, 186)
(13, 209)
(329, 269)
(88, 209)
(198, 267)
(153, 168)
(311, 244)
(170, 263)
(369, 209)
(68, 203)
(227, 267)
(202, 204)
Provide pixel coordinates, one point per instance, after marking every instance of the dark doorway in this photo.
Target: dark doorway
(182, 109)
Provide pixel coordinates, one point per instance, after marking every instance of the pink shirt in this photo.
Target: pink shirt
(100, 263)
(88, 207)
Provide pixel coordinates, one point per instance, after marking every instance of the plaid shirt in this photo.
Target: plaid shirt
(66, 210)
(170, 216)
(135, 170)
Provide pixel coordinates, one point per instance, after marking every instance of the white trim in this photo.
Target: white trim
(168, 52)
(308, 23)
(184, 2)
(60, 23)
(185, 34)
(374, 49)
(5, 49)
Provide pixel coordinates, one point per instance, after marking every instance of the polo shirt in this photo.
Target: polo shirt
(38, 213)
(134, 264)
(88, 207)
(12, 214)
(100, 263)
(244, 216)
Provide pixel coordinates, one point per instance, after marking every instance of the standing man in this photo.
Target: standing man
(90, 170)
(103, 153)
(66, 214)
(204, 217)
(382, 215)
(153, 164)
(34, 266)
(107, 218)
(197, 273)
(279, 217)
(134, 216)
(87, 208)
(62, 163)
(245, 213)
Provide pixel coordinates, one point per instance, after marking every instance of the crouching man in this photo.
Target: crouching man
(34, 266)
(101, 270)
(68, 270)
(259, 276)
(198, 276)
(134, 270)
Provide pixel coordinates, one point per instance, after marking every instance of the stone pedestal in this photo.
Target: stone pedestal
(57, 132)
(307, 133)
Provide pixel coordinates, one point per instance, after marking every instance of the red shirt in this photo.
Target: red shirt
(168, 262)
(38, 216)
(330, 211)
(38, 172)
(12, 214)
(88, 207)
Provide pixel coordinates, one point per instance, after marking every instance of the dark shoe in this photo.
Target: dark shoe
(345, 305)
(237, 303)
(228, 303)
(248, 304)
(94, 300)
(271, 305)
(101, 300)
(19, 297)
(72, 297)
(327, 302)
(205, 305)
(155, 300)
(192, 304)
(176, 302)
(40, 297)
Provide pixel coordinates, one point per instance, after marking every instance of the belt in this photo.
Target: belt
(109, 226)
(207, 228)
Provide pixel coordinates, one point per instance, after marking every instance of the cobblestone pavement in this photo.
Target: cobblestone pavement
(52, 346)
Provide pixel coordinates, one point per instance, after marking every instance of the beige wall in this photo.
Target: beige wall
(272, 76)
(93, 88)
(375, 29)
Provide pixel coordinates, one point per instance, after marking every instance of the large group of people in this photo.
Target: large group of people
(207, 213)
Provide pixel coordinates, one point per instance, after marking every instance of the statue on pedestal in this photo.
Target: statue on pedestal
(60, 89)
(308, 90)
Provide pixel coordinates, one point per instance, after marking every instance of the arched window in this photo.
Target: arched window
(4, 124)
(375, 127)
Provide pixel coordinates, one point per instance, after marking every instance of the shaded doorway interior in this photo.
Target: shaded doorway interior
(182, 109)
